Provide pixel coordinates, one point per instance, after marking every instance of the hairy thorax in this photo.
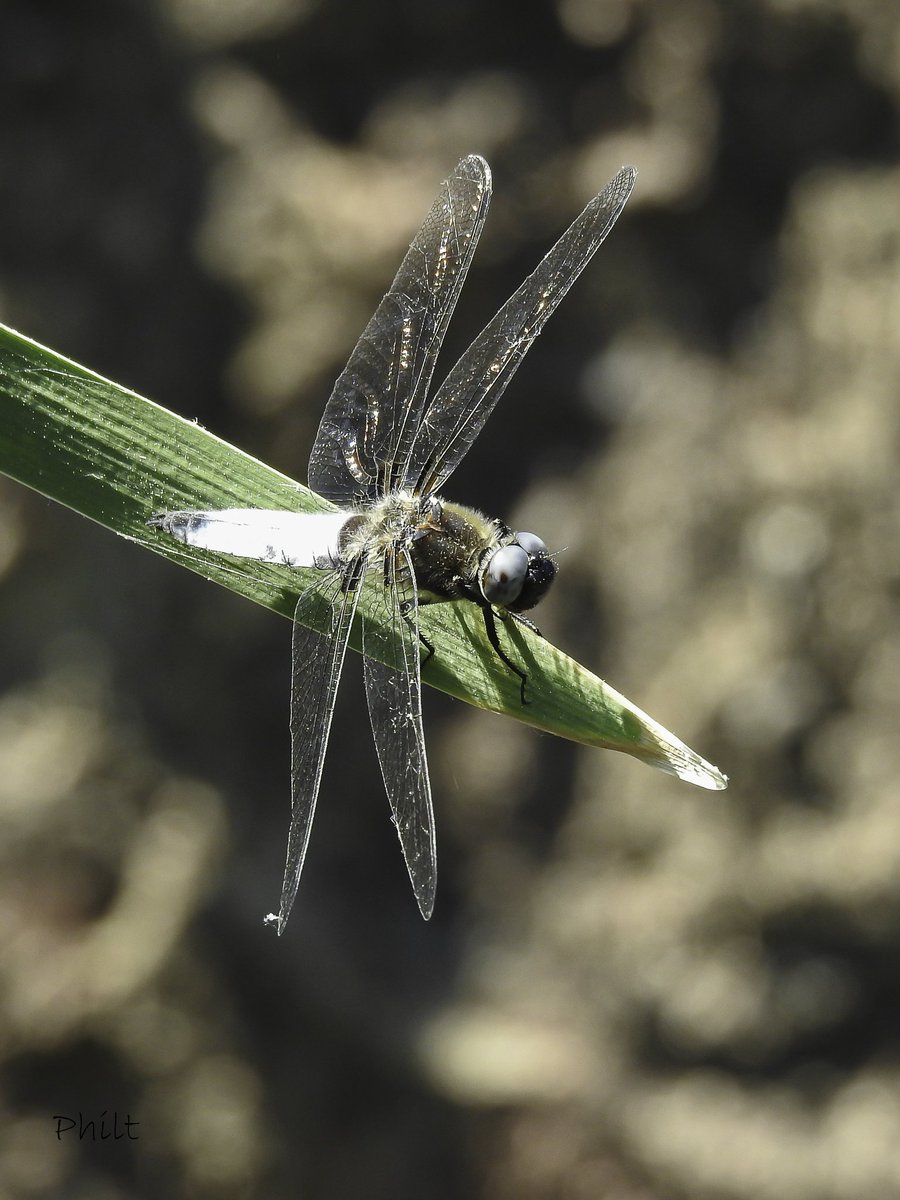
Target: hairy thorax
(446, 542)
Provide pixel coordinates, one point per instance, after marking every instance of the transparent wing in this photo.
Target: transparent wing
(371, 418)
(465, 400)
(394, 693)
(318, 659)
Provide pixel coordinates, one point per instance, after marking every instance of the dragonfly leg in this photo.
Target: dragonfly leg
(525, 621)
(351, 579)
(429, 646)
(490, 626)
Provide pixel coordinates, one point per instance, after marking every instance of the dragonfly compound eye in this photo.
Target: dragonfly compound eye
(504, 575)
(531, 544)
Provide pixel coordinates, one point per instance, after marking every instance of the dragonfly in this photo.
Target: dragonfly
(385, 447)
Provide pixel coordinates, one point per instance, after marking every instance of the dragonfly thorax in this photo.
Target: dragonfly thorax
(392, 523)
(457, 553)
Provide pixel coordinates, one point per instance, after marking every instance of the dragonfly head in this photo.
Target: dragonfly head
(518, 575)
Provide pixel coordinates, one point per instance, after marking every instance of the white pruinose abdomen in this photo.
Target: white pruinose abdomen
(267, 535)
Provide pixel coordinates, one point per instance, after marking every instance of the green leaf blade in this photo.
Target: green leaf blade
(118, 458)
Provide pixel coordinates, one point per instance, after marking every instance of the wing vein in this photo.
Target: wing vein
(317, 662)
(394, 695)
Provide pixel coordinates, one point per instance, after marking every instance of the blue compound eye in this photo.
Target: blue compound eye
(531, 543)
(504, 575)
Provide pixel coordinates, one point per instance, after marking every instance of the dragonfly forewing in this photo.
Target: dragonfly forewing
(375, 408)
(465, 400)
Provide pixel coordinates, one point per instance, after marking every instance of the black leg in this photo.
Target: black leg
(490, 626)
(528, 624)
(429, 647)
(351, 579)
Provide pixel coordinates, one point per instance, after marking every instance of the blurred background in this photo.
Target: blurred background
(630, 989)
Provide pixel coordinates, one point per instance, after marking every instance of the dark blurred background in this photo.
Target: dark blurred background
(630, 990)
